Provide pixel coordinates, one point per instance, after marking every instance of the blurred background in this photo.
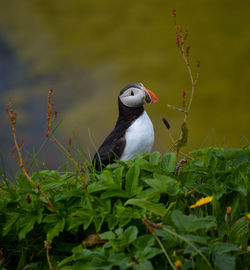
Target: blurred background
(89, 50)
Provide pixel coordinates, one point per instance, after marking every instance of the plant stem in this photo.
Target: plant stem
(24, 170)
(163, 249)
(189, 243)
(48, 259)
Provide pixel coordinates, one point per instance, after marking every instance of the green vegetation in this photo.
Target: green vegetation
(152, 212)
(132, 215)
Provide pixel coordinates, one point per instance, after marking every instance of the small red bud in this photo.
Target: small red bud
(174, 13)
(28, 199)
(55, 114)
(185, 35)
(187, 51)
(198, 64)
(69, 142)
(183, 98)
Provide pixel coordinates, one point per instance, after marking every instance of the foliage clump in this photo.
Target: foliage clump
(135, 215)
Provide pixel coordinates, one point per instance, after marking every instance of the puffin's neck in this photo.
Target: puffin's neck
(128, 114)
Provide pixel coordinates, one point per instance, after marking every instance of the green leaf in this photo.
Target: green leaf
(54, 229)
(225, 262)
(163, 184)
(11, 219)
(184, 136)
(196, 239)
(25, 225)
(107, 235)
(98, 221)
(221, 248)
(154, 157)
(203, 223)
(149, 206)
(51, 184)
(130, 234)
(168, 162)
(144, 241)
(117, 174)
(132, 176)
(240, 229)
(115, 192)
(191, 223)
(67, 194)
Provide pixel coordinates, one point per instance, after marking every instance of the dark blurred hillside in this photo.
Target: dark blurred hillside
(88, 50)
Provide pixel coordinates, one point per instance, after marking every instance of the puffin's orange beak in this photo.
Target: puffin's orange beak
(152, 99)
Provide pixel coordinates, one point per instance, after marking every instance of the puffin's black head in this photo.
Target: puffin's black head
(135, 95)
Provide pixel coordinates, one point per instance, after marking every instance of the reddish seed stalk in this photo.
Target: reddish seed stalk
(181, 38)
(12, 117)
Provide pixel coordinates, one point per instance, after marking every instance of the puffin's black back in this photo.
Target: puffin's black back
(113, 146)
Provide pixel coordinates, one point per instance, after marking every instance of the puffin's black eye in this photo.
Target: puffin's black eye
(132, 93)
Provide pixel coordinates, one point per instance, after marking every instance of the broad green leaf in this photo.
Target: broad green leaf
(149, 206)
(147, 253)
(221, 248)
(171, 240)
(51, 184)
(144, 241)
(97, 186)
(125, 214)
(155, 157)
(25, 225)
(240, 229)
(51, 218)
(55, 228)
(163, 184)
(65, 261)
(67, 194)
(107, 235)
(224, 261)
(195, 238)
(117, 174)
(11, 219)
(191, 223)
(168, 162)
(130, 234)
(146, 264)
(203, 223)
(115, 192)
(106, 177)
(183, 222)
(77, 249)
(131, 185)
(98, 221)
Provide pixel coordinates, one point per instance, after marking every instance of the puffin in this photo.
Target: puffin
(133, 132)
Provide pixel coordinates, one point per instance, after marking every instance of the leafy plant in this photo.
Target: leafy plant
(139, 213)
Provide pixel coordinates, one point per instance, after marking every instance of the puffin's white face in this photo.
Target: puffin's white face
(136, 95)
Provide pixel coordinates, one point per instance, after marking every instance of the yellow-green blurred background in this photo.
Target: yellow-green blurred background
(88, 50)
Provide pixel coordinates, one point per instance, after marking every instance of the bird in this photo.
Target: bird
(133, 132)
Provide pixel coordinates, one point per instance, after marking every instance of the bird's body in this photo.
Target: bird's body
(133, 132)
(139, 137)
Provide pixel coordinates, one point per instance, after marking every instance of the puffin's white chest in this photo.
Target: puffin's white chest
(139, 137)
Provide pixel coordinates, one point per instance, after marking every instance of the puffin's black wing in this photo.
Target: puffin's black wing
(111, 150)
